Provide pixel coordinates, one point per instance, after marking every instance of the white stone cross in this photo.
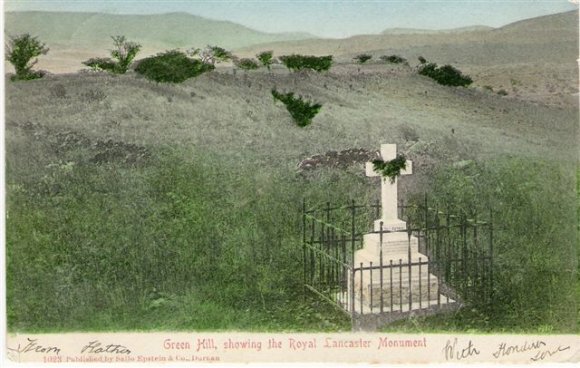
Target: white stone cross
(389, 199)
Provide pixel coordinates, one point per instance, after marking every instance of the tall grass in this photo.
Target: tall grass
(535, 242)
(203, 243)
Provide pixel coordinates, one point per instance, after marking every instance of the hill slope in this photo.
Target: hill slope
(394, 31)
(172, 30)
(552, 38)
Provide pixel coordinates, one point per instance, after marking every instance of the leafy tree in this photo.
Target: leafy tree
(445, 75)
(265, 58)
(214, 54)
(246, 64)
(171, 66)
(20, 50)
(362, 58)
(298, 62)
(124, 53)
(302, 111)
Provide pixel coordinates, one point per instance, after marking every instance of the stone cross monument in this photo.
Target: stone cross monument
(407, 285)
(389, 193)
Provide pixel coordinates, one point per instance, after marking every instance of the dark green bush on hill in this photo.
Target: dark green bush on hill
(302, 111)
(246, 64)
(298, 62)
(394, 59)
(362, 58)
(171, 66)
(445, 75)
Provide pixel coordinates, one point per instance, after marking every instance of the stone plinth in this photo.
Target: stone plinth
(401, 276)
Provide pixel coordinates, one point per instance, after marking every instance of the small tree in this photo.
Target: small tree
(302, 111)
(214, 54)
(122, 57)
(246, 64)
(422, 60)
(362, 58)
(124, 53)
(265, 58)
(20, 50)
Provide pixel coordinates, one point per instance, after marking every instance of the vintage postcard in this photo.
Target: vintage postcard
(217, 182)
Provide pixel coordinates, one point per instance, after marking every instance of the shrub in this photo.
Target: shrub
(422, 60)
(362, 58)
(394, 59)
(265, 57)
(97, 64)
(246, 64)
(124, 53)
(20, 51)
(298, 62)
(171, 66)
(445, 75)
(301, 111)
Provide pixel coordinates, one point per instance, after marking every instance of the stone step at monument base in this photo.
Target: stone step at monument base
(365, 308)
(365, 257)
(400, 293)
(392, 243)
(396, 272)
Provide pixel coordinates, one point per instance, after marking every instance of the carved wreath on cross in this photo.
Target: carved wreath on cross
(390, 169)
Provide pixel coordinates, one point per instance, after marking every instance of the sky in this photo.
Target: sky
(324, 18)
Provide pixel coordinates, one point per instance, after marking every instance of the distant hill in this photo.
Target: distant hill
(551, 38)
(171, 30)
(397, 31)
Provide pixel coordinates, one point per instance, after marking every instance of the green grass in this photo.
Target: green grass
(204, 231)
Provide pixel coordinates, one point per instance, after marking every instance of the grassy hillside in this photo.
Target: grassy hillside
(152, 206)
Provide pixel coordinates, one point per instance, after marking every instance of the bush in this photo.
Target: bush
(96, 64)
(265, 57)
(171, 66)
(247, 64)
(422, 60)
(298, 62)
(302, 111)
(362, 58)
(445, 75)
(394, 59)
(20, 51)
